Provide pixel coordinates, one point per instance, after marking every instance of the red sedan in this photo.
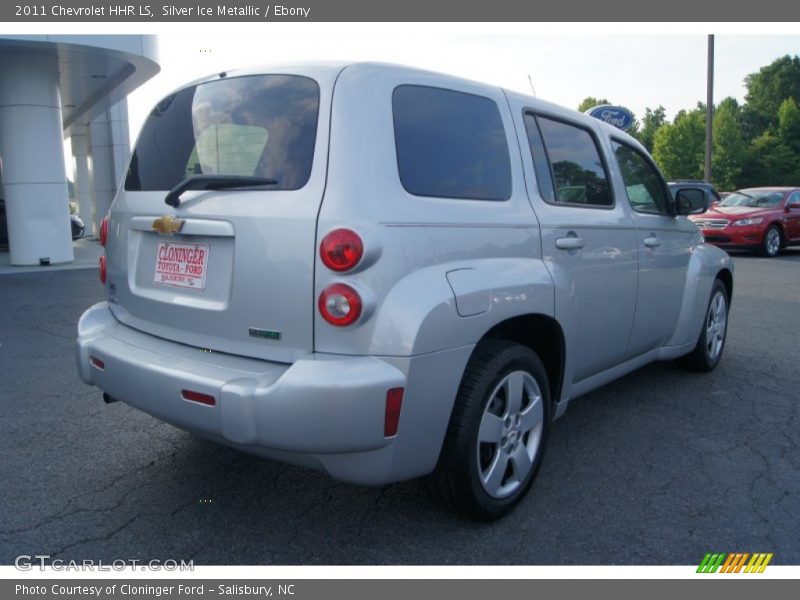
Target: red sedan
(764, 219)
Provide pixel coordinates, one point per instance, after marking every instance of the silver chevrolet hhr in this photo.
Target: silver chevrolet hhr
(386, 273)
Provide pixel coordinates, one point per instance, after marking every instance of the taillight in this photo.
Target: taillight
(394, 402)
(340, 305)
(104, 231)
(103, 269)
(341, 250)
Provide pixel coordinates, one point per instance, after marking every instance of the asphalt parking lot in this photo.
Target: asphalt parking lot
(659, 467)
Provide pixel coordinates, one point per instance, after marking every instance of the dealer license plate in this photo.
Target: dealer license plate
(182, 265)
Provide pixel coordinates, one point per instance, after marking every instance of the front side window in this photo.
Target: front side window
(578, 173)
(644, 185)
(450, 144)
(261, 125)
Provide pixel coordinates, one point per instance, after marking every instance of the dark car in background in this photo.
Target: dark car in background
(78, 226)
(713, 196)
(764, 219)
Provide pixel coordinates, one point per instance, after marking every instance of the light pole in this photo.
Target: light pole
(709, 107)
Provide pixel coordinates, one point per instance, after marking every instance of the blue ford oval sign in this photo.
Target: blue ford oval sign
(617, 116)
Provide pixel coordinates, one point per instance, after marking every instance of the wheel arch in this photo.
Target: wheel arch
(777, 223)
(544, 336)
(726, 277)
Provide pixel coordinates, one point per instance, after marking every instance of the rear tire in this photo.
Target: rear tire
(708, 351)
(497, 433)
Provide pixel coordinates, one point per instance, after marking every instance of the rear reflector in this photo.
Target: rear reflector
(96, 362)
(104, 231)
(198, 397)
(394, 402)
(102, 268)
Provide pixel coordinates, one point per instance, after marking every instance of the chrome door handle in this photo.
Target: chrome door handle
(652, 242)
(570, 243)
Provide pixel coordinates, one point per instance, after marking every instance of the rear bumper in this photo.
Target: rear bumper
(323, 411)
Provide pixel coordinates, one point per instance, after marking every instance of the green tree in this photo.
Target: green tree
(729, 148)
(789, 125)
(766, 90)
(771, 162)
(591, 101)
(652, 121)
(678, 147)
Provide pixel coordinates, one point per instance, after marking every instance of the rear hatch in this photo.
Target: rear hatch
(227, 270)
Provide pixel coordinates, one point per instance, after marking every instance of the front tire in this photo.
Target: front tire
(708, 351)
(773, 240)
(497, 432)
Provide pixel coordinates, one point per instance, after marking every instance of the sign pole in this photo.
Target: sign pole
(709, 107)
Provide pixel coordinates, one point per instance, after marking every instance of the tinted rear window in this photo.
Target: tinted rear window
(263, 125)
(450, 144)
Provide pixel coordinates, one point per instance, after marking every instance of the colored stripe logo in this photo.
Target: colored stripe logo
(734, 562)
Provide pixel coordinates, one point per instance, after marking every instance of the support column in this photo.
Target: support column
(83, 180)
(110, 151)
(102, 167)
(120, 140)
(32, 158)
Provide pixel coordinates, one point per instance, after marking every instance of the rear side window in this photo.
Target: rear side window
(576, 169)
(261, 125)
(450, 144)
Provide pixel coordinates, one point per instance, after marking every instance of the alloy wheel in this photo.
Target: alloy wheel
(716, 322)
(510, 433)
(773, 243)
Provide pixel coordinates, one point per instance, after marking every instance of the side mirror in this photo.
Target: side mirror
(691, 201)
(793, 206)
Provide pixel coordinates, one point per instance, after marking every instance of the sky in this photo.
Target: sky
(637, 70)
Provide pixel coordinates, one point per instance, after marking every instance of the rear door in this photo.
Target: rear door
(588, 241)
(227, 270)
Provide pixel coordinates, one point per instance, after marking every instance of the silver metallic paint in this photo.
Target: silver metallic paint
(437, 274)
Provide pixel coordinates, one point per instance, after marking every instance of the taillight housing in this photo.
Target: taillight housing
(104, 231)
(341, 250)
(340, 305)
(103, 269)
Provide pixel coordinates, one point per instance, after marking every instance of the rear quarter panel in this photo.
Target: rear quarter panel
(413, 242)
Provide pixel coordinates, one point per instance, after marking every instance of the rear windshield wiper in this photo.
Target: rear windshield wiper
(214, 182)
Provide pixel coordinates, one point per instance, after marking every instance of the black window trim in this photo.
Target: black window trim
(664, 187)
(536, 113)
(546, 156)
(458, 198)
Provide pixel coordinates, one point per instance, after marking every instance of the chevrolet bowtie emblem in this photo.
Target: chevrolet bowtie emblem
(167, 225)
